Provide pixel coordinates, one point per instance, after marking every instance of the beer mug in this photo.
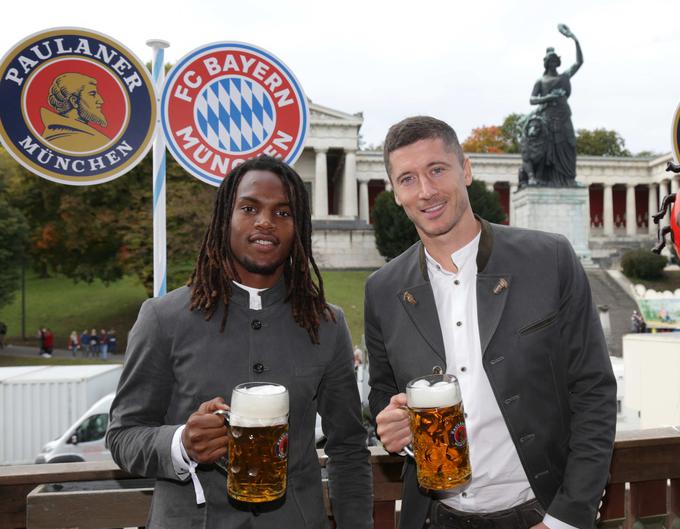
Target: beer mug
(258, 442)
(437, 421)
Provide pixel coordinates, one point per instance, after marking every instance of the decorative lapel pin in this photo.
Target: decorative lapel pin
(408, 298)
(500, 286)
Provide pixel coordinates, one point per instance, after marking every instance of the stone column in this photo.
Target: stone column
(321, 185)
(349, 187)
(511, 209)
(608, 209)
(363, 200)
(652, 207)
(631, 217)
(674, 184)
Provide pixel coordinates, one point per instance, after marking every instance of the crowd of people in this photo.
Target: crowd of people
(92, 344)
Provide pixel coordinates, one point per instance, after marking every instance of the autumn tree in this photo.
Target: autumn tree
(485, 139)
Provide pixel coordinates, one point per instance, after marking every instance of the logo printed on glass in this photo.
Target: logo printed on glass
(282, 446)
(227, 102)
(459, 435)
(78, 107)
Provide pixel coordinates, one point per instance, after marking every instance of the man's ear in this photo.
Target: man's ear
(396, 198)
(74, 100)
(467, 171)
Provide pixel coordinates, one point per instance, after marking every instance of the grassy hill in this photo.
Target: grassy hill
(63, 306)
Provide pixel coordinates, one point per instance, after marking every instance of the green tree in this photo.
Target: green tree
(394, 231)
(106, 231)
(485, 203)
(600, 142)
(511, 132)
(13, 240)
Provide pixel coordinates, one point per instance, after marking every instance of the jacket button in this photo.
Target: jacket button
(258, 368)
(256, 324)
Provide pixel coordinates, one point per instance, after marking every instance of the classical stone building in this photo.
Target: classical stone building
(343, 182)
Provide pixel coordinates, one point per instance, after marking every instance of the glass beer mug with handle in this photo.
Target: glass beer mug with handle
(437, 421)
(258, 442)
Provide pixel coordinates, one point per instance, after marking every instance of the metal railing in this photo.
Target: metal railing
(644, 488)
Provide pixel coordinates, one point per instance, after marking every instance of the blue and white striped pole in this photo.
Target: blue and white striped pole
(160, 269)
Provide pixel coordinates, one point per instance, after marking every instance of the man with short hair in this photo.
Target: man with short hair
(77, 102)
(509, 312)
(252, 312)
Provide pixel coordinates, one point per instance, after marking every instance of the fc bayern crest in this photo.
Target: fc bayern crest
(77, 106)
(226, 102)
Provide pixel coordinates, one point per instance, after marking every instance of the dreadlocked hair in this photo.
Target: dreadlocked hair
(211, 280)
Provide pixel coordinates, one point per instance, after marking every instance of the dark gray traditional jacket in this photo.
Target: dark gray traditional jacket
(543, 351)
(175, 360)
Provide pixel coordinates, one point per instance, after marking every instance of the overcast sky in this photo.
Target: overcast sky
(470, 63)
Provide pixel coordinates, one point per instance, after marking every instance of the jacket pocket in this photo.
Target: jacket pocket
(538, 325)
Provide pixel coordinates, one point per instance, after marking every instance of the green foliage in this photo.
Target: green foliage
(394, 231)
(13, 240)
(485, 203)
(600, 142)
(511, 132)
(106, 231)
(643, 264)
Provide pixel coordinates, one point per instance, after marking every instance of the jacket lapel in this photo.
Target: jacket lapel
(492, 288)
(418, 302)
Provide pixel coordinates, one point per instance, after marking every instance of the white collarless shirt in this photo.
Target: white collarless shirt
(498, 479)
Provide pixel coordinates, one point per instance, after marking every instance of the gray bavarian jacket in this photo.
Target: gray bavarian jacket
(176, 359)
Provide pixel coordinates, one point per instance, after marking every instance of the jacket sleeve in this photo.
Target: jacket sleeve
(349, 468)
(139, 440)
(381, 379)
(592, 397)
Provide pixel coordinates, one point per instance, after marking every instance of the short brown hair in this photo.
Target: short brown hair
(416, 128)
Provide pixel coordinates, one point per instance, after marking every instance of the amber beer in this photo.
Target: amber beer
(437, 422)
(258, 444)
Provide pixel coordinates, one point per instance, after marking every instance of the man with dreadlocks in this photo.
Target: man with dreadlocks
(252, 311)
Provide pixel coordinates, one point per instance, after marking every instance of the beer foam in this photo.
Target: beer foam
(260, 405)
(254, 422)
(439, 395)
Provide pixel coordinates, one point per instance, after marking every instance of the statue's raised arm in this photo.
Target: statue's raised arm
(562, 28)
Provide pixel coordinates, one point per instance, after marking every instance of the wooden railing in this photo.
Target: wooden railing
(644, 488)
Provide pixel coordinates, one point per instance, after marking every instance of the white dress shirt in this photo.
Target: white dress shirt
(498, 479)
(184, 466)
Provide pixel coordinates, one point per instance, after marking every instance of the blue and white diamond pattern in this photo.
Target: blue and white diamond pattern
(235, 115)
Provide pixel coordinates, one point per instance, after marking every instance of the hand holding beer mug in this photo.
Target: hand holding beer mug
(437, 420)
(258, 442)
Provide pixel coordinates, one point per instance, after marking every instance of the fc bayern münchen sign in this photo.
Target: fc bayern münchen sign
(77, 106)
(226, 102)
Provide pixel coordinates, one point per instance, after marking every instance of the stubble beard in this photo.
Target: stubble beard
(254, 268)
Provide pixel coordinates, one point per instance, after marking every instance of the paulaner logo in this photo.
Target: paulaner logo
(227, 102)
(78, 107)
